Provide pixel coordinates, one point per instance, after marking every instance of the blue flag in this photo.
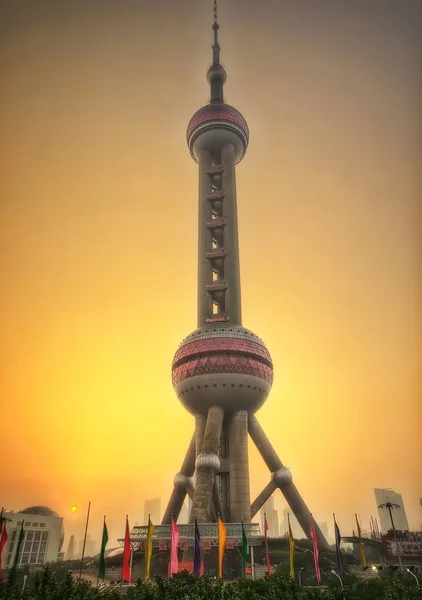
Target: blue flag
(338, 552)
(197, 551)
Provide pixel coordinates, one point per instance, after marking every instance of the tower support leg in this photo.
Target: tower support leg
(240, 501)
(207, 465)
(182, 485)
(262, 498)
(282, 478)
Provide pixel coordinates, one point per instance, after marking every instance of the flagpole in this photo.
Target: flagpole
(123, 561)
(98, 576)
(131, 562)
(83, 548)
(253, 563)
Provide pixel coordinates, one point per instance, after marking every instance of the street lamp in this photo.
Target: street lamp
(417, 580)
(390, 506)
(340, 579)
(300, 576)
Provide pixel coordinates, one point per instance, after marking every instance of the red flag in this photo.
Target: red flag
(267, 554)
(174, 561)
(312, 534)
(3, 540)
(126, 568)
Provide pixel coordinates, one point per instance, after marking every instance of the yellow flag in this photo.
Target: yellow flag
(291, 548)
(221, 545)
(362, 549)
(148, 553)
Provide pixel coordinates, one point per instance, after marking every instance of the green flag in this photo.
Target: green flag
(18, 547)
(104, 540)
(244, 551)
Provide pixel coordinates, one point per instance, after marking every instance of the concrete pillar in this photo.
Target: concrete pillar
(240, 502)
(207, 465)
(218, 506)
(204, 239)
(231, 236)
(200, 421)
(182, 485)
(282, 478)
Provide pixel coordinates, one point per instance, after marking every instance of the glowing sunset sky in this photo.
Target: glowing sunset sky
(98, 231)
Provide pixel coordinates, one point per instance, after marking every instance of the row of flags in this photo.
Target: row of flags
(313, 536)
(174, 560)
(222, 534)
(174, 563)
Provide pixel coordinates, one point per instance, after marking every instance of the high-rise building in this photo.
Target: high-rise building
(222, 372)
(271, 514)
(70, 553)
(183, 515)
(324, 528)
(389, 496)
(297, 530)
(43, 536)
(90, 546)
(152, 508)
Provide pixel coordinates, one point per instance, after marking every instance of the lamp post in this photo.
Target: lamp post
(390, 506)
(417, 580)
(340, 579)
(300, 576)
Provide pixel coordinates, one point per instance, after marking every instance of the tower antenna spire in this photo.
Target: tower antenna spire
(216, 45)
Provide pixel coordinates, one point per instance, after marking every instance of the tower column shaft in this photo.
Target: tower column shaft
(200, 422)
(231, 236)
(240, 503)
(288, 489)
(206, 468)
(204, 239)
(179, 493)
(218, 505)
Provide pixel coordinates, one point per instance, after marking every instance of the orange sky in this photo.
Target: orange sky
(98, 244)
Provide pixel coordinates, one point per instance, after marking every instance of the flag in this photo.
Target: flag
(338, 551)
(362, 549)
(267, 554)
(18, 547)
(3, 540)
(291, 549)
(244, 550)
(197, 551)
(149, 548)
(126, 570)
(174, 559)
(312, 535)
(104, 540)
(221, 545)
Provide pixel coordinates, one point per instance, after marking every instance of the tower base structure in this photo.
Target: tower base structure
(222, 475)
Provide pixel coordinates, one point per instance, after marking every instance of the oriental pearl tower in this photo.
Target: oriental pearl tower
(222, 372)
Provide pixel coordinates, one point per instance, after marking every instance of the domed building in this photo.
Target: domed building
(43, 536)
(44, 511)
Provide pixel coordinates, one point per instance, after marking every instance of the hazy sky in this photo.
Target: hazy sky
(98, 231)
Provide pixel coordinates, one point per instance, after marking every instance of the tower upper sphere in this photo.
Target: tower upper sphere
(217, 124)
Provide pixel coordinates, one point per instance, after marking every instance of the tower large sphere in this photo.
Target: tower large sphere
(225, 365)
(214, 126)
